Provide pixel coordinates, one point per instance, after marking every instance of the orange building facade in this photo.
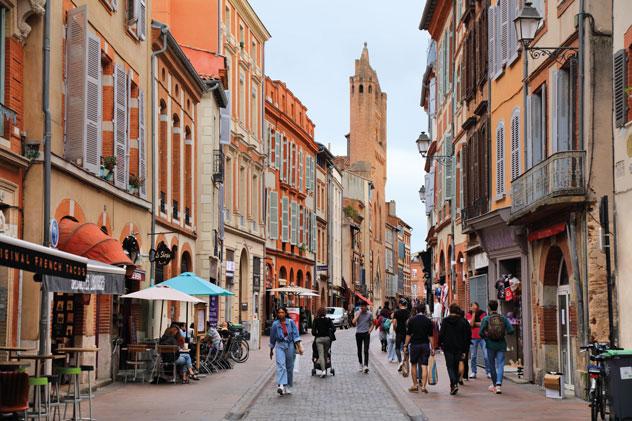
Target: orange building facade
(291, 183)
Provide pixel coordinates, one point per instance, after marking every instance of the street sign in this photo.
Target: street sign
(54, 232)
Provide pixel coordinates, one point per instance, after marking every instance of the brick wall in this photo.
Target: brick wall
(14, 89)
(104, 314)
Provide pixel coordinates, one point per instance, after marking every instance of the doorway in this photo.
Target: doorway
(564, 326)
(243, 286)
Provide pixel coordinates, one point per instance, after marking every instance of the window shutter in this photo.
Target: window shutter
(449, 170)
(300, 170)
(286, 155)
(498, 55)
(76, 65)
(120, 126)
(500, 161)
(504, 31)
(92, 147)
(313, 230)
(277, 150)
(141, 24)
(285, 233)
(563, 111)
(553, 77)
(132, 12)
(293, 222)
(491, 48)
(528, 142)
(224, 122)
(620, 80)
(142, 163)
(274, 215)
(515, 145)
(513, 44)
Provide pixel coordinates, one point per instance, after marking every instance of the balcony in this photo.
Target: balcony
(552, 185)
(218, 166)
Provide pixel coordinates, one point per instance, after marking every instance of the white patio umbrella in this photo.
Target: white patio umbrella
(162, 293)
(305, 292)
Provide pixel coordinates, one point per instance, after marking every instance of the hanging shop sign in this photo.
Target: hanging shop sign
(54, 233)
(162, 255)
(32, 257)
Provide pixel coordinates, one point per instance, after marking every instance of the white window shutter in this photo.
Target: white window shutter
(277, 150)
(500, 161)
(491, 42)
(92, 147)
(285, 233)
(563, 112)
(528, 142)
(120, 126)
(300, 170)
(514, 45)
(293, 218)
(142, 160)
(313, 230)
(515, 144)
(504, 31)
(76, 76)
(274, 215)
(498, 60)
(553, 77)
(141, 24)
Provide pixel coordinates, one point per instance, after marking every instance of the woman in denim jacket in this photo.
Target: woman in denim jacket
(286, 341)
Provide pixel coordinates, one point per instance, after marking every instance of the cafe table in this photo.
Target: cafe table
(14, 349)
(76, 351)
(12, 365)
(40, 360)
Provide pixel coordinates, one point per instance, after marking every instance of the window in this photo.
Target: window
(361, 89)
(515, 144)
(227, 19)
(620, 76)
(563, 82)
(285, 233)
(300, 170)
(500, 161)
(242, 98)
(294, 223)
(536, 112)
(254, 109)
(242, 191)
(242, 37)
(254, 197)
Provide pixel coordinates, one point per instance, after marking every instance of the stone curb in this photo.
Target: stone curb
(242, 406)
(388, 378)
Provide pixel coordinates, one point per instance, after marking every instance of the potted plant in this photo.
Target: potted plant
(107, 167)
(135, 182)
(302, 249)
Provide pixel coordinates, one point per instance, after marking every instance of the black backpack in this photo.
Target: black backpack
(495, 327)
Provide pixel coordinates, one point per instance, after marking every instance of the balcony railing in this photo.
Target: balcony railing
(218, 166)
(561, 174)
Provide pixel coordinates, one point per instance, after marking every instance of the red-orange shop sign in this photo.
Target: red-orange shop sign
(18, 257)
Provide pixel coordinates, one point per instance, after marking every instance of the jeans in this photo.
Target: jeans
(496, 365)
(362, 341)
(321, 344)
(184, 362)
(399, 345)
(284, 356)
(452, 363)
(474, 353)
(390, 348)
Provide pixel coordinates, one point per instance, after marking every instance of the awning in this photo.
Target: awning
(35, 258)
(88, 240)
(101, 279)
(363, 298)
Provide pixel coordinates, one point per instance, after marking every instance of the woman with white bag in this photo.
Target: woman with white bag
(285, 342)
(390, 343)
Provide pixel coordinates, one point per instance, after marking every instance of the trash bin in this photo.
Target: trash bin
(619, 374)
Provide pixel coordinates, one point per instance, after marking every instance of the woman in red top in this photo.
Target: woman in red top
(475, 316)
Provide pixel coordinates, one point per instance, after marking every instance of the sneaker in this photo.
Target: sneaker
(288, 390)
(454, 389)
(366, 369)
(361, 368)
(281, 390)
(413, 389)
(323, 374)
(492, 388)
(473, 376)
(489, 376)
(498, 391)
(399, 367)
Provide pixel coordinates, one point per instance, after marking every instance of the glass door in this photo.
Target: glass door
(564, 338)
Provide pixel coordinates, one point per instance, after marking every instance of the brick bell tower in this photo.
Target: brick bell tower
(367, 147)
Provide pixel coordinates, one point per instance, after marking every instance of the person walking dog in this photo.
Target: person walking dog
(285, 341)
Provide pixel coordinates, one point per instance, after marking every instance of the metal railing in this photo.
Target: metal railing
(561, 174)
(218, 166)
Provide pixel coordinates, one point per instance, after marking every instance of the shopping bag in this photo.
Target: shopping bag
(297, 363)
(433, 376)
(405, 367)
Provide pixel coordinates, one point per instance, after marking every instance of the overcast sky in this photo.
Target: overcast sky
(313, 47)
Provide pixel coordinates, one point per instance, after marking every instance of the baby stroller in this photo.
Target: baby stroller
(327, 360)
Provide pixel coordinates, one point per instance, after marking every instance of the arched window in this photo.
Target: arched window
(500, 160)
(185, 262)
(175, 167)
(188, 171)
(361, 89)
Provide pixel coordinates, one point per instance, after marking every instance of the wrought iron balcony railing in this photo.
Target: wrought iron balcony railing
(561, 174)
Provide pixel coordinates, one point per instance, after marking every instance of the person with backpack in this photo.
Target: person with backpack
(494, 328)
(455, 342)
(383, 319)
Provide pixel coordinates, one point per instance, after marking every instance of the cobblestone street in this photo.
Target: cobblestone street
(349, 395)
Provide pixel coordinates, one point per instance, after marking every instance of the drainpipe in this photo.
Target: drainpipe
(453, 165)
(44, 296)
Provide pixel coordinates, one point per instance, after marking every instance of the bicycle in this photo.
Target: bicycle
(239, 350)
(596, 371)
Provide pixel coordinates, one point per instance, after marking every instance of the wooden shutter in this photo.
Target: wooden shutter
(277, 150)
(515, 144)
(498, 55)
(293, 222)
(300, 170)
(132, 12)
(620, 96)
(449, 170)
(274, 216)
(528, 142)
(563, 111)
(284, 169)
(224, 122)
(285, 233)
(141, 24)
(313, 231)
(513, 44)
(120, 126)
(92, 148)
(491, 46)
(142, 161)
(500, 161)
(504, 31)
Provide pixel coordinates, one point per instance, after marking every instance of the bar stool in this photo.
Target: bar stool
(40, 384)
(73, 395)
(55, 402)
(89, 369)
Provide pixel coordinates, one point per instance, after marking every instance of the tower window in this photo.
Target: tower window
(361, 89)
(370, 89)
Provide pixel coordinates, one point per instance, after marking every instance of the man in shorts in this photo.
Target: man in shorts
(419, 337)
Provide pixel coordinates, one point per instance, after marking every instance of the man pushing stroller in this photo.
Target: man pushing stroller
(323, 330)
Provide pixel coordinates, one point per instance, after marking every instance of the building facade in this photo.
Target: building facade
(291, 185)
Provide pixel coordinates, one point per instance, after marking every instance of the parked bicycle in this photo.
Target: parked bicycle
(239, 350)
(597, 395)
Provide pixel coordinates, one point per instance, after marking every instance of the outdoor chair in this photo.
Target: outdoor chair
(14, 393)
(135, 353)
(166, 362)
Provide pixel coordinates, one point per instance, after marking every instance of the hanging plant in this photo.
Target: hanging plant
(136, 181)
(109, 162)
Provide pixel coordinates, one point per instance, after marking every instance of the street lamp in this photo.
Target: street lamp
(423, 144)
(527, 23)
(422, 194)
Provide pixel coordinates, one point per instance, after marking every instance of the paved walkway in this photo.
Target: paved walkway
(349, 395)
(208, 399)
(474, 402)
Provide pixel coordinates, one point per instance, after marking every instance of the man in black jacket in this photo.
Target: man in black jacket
(455, 339)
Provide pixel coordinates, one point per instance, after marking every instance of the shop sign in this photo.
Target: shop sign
(137, 275)
(162, 255)
(480, 261)
(54, 233)
(230, 268)
(213, 311)
(19, 257)
(322, 268)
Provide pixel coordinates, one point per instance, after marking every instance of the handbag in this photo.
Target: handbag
(405, 366)
(433, 376)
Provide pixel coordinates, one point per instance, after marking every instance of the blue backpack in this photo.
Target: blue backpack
(386, 324)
